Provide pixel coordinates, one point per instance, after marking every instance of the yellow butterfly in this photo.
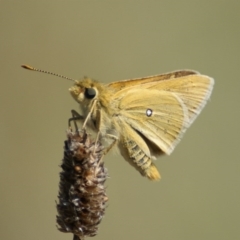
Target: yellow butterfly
(145, 117)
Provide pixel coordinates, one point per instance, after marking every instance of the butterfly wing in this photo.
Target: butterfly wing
(158, 115)
(136, 82)
(162, 111)
(193, 90)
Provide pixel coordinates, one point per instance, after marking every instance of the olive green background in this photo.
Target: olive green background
(198, 197)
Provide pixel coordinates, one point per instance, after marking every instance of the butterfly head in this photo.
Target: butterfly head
(85, 91)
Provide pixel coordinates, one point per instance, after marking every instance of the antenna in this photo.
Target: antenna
(47, 72)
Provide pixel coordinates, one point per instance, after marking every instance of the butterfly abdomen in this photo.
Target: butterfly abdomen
(141, 161)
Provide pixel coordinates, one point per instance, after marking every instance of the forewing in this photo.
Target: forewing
(130, 83)
(193, 90)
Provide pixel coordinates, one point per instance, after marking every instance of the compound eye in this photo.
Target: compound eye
(90, 93)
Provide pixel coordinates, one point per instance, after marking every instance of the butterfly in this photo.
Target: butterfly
(145, 117)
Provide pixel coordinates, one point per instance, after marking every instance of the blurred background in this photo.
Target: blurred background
(198, 196)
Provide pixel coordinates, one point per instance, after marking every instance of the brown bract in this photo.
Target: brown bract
(82, 196)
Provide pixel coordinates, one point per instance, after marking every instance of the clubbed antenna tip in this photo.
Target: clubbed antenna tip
(27, 67)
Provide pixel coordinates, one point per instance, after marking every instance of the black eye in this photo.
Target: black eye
(90, 93)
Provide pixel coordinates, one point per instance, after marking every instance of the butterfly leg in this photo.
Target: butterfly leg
(89, 114)
(114, 142)
(106, 150)
(75, 116)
